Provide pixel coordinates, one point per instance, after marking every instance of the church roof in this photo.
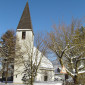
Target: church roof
(45, 63)
(25, 21)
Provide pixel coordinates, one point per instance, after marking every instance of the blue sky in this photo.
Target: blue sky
(44, 13)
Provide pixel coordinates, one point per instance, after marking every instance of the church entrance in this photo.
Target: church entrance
(45, 78)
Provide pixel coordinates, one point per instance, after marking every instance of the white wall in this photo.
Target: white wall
(45, 72)
(26, 45)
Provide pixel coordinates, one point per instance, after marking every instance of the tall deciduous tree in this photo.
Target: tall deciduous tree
(68, 43)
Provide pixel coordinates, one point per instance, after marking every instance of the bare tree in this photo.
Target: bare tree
(69, 47)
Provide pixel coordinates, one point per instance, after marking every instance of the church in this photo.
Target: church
(24, 34)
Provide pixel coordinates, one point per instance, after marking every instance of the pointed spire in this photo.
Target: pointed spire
(25, 21)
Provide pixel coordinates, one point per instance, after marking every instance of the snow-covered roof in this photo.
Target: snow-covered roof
(45, 62)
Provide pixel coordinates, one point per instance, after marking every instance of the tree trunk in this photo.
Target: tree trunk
(75, 79)
(31, 71)
(60, 60)
(6, 73)
(32, 81)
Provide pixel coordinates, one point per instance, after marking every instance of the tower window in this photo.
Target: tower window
(23, 35)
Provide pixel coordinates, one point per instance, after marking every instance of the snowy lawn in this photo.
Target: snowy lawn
(49, 83)
(37, 83)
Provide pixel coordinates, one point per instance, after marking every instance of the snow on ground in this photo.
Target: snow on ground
(38, 83)
(49, 83)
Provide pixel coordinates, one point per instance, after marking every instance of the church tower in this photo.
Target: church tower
(25, 39)
(24, 30)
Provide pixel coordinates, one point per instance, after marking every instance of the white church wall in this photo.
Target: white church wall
(45, 72)
(18, 79)
(18, 70)
(38, 77)
(25, 44)
(29, 38)
(50, 75)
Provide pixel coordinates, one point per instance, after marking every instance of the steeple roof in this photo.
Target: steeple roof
(25, 21)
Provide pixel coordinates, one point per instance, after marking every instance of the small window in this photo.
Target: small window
(16, 76)
(23, 35)
(58, 70)
(45, 78)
